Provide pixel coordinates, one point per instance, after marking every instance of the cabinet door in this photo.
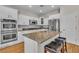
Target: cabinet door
(36, 20)
(39, 21)
(20, 21)
(27, 20)
(31, 46)
(46, 21)
(23, 20)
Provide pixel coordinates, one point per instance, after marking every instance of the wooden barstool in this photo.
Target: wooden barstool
(55, 46)
(64, 48)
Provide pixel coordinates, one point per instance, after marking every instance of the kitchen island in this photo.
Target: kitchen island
(35, 42)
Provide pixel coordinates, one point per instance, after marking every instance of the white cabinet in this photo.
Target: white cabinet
(24, 20)
(54, 16)
(45, 21)
(39, 21)
(31, 46)
(19, 20)
(6, 12)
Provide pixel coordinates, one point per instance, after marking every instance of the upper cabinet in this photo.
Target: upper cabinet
(45, 20)
(24, 20)
(8, 13)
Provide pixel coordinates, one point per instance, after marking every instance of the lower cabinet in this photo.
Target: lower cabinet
(72, 48)
(17, 48)
(30, 46)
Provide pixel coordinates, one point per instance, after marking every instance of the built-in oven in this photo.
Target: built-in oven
(7, 24)
(8, 30)
(8, 36)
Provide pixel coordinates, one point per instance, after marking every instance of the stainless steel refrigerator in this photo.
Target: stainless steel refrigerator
(54, 25)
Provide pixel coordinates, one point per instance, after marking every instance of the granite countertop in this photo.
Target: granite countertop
(41, 36)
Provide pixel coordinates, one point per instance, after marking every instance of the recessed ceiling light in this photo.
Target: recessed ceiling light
(30, 6)
(52, 6)
(41, 11)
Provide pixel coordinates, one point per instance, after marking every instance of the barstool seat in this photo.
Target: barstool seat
(57, 45)
(53, 47)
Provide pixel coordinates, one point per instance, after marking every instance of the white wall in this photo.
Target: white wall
(67, 9)
(54, 16)
(51, 13)
(69, 16)
(28, 13)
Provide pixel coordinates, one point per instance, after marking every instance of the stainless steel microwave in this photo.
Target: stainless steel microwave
(32, 22)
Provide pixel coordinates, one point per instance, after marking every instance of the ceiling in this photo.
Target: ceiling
(36, 9)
